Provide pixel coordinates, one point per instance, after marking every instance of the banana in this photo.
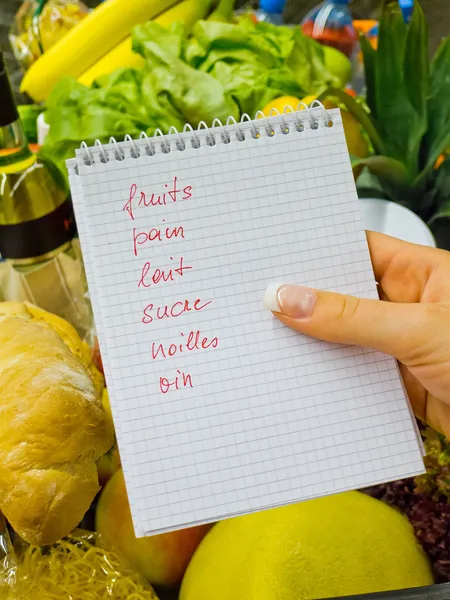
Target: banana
(188, 12)
(88, 41)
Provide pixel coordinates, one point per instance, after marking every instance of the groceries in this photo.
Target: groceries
(76, 568)
(222, 70)
(40, 24)
(329, 547)
(407, 94)
(122, 56)
(163, 558)
(95, 35)
(356, 140)
(41, 258)
(330, 23)
(53, 426)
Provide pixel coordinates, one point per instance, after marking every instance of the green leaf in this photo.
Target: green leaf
(400, 123)
(390, 172)
(438, 135)
(358, 112)
(369, 71)
(385, 167)
(416, 63)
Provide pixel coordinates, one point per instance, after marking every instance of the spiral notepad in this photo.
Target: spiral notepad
(219, 409)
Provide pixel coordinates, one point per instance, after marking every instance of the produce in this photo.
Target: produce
(435, 483)
(39, 24)
(429, 517)
(328, 547)
(223, 13)
(280, 104)
(222, 70)
(108, 464)
(187, 11)
(409, 118)
(356, 142)
(162, 559)
(75, 568)
(53, 426)
(83, 45)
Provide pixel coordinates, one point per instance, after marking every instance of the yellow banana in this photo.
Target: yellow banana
(187, 11)
(83, 45)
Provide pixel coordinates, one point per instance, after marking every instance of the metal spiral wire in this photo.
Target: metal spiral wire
(232, 128)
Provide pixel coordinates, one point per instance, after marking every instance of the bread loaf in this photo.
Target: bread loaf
(53, 427)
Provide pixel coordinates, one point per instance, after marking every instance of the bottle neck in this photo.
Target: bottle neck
(13, 142)
(14, 151)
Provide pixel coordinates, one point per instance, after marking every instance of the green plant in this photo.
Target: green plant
(408, 119)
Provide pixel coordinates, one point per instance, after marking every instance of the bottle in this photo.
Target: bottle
(407, 7)
(331, 24)
(271, 11)
(41, 259)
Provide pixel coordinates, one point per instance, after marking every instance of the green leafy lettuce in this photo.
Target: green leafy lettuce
(222, 70)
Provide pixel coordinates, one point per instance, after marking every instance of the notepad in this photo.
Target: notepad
(219, 409)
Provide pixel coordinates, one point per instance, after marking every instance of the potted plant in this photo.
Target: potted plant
(406, 116)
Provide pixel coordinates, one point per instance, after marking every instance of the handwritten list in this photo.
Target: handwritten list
(151, 275)
(220, 410)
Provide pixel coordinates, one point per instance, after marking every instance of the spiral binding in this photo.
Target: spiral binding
(232, 126)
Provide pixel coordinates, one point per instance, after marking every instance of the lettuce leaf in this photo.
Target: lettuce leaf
(222, 70)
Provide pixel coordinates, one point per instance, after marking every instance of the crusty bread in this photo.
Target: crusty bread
(52, 425)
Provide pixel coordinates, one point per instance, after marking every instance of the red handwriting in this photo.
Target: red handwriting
(175, 310)
(157, 275)
(182, 379)
(142, 237)
(170, 195)
(194, 342)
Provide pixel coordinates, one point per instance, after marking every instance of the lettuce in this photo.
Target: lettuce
(222, 70)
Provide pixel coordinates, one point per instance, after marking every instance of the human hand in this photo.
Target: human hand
(411, 321)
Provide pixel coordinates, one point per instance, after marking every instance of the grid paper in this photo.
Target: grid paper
(272, 417)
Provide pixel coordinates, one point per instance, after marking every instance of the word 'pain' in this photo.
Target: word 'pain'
(155, 234)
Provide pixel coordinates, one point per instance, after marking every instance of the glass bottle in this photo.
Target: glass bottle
(41, 259)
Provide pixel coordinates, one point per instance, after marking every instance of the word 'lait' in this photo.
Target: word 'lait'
(171, 194)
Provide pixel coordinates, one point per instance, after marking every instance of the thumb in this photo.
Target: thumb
(393, 328)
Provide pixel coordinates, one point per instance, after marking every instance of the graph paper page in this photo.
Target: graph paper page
(220, 409)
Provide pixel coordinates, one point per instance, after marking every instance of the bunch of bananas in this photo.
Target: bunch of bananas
(101, 42)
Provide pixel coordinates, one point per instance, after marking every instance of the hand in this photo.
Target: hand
(411, 321)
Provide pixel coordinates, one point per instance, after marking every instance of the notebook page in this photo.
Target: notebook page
(78, 203)
(246, 414)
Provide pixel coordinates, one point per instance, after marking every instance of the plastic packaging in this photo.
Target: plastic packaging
(330, 23)
(271, 11)
(76, 568)
(39, 24)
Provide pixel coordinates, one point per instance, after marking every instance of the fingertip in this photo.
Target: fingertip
(270, 298)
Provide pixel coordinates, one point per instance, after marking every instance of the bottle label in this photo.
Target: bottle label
(30, 239)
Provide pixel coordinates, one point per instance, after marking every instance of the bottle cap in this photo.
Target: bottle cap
(8, 110)
(272, 6)
(407, 7)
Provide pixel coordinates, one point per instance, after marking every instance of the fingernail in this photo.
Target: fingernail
(291, 300)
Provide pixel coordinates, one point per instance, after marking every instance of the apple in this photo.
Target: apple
(163, 558)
